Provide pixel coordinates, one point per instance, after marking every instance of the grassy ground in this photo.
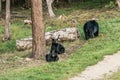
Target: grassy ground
(13, 66)
(115, 76)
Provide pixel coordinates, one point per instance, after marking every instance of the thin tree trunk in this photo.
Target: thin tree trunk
(7, 22)
(118, 2)
(38, 33)
(49, 5)
(0, 6)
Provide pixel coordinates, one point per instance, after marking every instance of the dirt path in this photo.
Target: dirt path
(107, 66)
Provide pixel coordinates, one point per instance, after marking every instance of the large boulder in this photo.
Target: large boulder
(67, 34)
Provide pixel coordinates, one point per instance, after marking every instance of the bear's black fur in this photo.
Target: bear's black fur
(91, 29)
(52, 57)
(59, 48)
(56, 49)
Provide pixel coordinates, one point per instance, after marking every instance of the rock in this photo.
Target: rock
(28, 59)
(27, 22)
(67, 34)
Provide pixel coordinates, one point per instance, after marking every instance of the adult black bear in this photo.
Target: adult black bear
(91, 29)
(56, 49)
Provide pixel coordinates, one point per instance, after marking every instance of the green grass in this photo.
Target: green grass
(88, 4)
(18, 31)
(92, 51)
(115, 76)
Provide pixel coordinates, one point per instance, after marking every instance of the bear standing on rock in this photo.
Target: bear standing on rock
(91, 29)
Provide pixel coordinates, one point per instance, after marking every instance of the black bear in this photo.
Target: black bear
(59, 48)
(91, 29)
(52, 57)
(56, 49)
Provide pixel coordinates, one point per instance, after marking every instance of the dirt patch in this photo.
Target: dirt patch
(105, 67)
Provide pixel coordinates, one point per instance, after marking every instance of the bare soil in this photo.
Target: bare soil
(104, 68)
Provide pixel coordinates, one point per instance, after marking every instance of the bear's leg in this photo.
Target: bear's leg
(86, 35)
(60, 49)
(92, 35)
(56, 58)
(48, 58)
(96, 33)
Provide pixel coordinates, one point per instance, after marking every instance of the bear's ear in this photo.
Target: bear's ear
(53, 40)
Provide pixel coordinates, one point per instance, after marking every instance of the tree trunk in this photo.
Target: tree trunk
(118, 2)
(0, 6)
(7, 23)
(49, 5)
(38, 33)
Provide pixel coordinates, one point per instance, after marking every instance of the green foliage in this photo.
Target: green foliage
(110, 5)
